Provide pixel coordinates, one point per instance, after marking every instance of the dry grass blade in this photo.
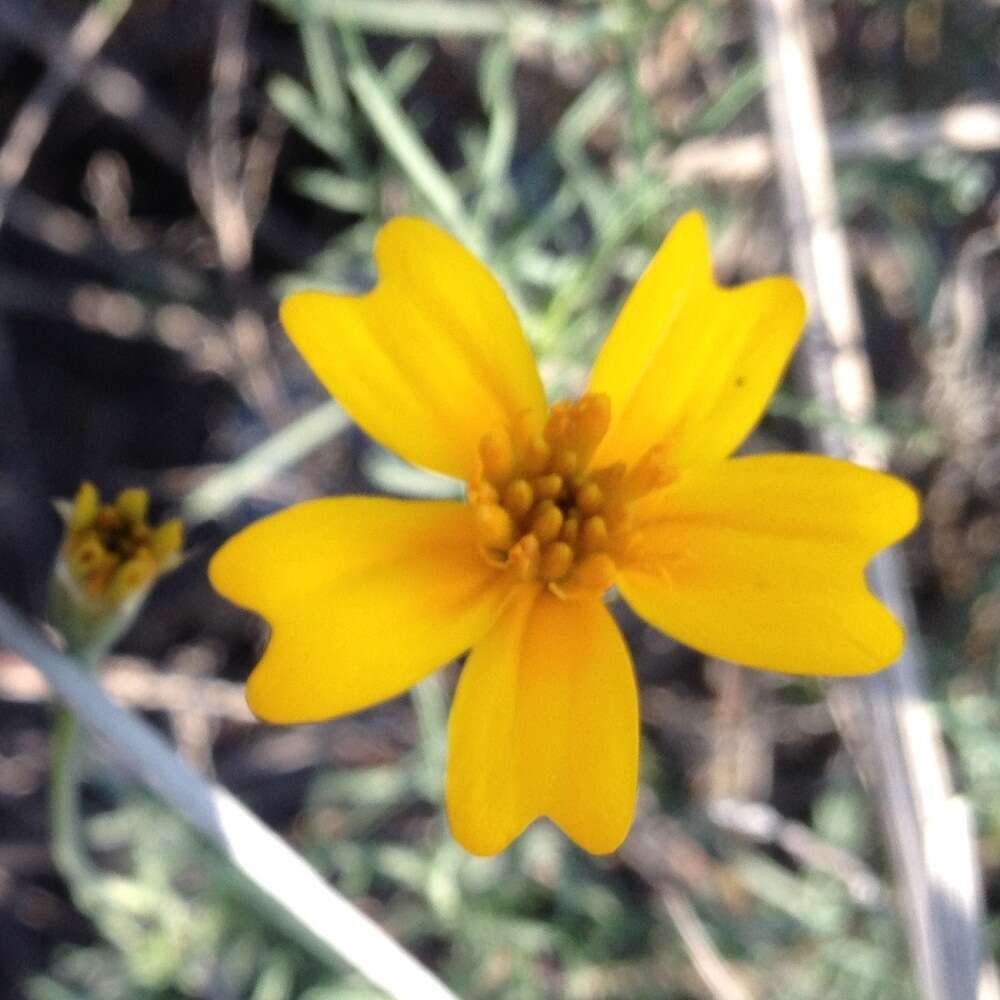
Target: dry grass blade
(25, 133)
(644, 853)
(135, 683)
(761, 822)
(709, 964)
(886, 719)
(969, 128)
(286, 884)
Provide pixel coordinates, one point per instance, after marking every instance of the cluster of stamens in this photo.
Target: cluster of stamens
(541, 512)
(110, 551)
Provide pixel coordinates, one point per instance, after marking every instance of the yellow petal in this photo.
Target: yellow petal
(133, 504)
(761, 560)
(167, 540)
(364, 596)
(690, 364)
(429, 360)
(85, 506)
(545, 722)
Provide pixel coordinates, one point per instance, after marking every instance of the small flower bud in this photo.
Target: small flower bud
(108, 560)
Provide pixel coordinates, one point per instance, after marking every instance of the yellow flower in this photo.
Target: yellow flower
(759, 559)
(110, 552)
(109, 558)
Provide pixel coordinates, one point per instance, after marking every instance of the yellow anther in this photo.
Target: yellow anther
(616, 515)
(132, 575)
(133, 505)
(548, 487)
(593, 417)
(108, 519)
(547, 522)
(496, 450)
(610, 478)
(556, 561)
(565, 462)
(494, 526)
(649, 473)
(85, 507)
(518, 497)
(108, 559)
(524, 558)
(570, 530)
(537, 453)
(537, 481)
(525, 429)
(483, 491)
(590, 499)
(594, 534)
(88, 556)
(559, 424)
(594, 572)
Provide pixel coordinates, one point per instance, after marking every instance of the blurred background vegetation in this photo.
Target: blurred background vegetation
(213, 155)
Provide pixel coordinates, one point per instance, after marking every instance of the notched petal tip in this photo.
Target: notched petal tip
(907, 507)
(892, 641)
(232, 564)
(790, 304)
(692, 230)
(760, 560)
(601, 845)
(265, 701)
(430, 358)
(691, 362)
(478, 839)
(400, 231)
(305, 314)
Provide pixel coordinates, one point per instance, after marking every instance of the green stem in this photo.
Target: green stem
(68, 849)
(430, 706)
(123, 909)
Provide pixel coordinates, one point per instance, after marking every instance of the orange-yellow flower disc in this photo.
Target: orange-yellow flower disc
(759, 559)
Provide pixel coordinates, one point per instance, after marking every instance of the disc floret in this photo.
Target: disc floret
(110, 552)
(541, 512)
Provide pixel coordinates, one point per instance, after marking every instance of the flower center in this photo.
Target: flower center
(543, 514)
(109, 551)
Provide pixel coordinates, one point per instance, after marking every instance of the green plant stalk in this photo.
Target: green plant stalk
(320, 917)
(69, 849)
(120, 907)
(222, 491)
(123, 909)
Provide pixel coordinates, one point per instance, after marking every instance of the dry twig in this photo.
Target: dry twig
(218, 181)
(665, 871)
(67, 65)
(121, 94)
(764, 824)
(131, 681)
(968, 128)
(886, 719)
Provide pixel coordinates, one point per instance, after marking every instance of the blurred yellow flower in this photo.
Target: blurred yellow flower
(758, 559)
(109, 558)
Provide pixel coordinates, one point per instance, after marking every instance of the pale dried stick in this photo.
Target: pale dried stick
(644, 853)
(762, 823)
(135, 683)
(118, 92)
(886, 719)
(748, 159)
(218, 184)
(715, 973)
(319, 916)
(29, 126)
